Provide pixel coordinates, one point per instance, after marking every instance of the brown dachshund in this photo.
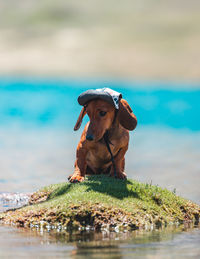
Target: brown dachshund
(92, 155)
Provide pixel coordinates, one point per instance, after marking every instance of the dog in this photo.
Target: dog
(105, 138)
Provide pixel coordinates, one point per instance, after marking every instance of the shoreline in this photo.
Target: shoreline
(103, 203)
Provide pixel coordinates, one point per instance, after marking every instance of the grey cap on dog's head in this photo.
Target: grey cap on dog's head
(105, 94)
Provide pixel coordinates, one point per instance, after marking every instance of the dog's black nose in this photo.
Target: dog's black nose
(89, 137)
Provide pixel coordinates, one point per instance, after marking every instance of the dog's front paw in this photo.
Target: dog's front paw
(122, 175)
(119, 175)
(76, 178)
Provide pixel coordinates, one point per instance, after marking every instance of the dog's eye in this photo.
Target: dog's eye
(102, 113)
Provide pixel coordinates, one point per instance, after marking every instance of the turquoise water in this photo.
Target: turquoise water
(37, 148)
(54, 103)
(37, 141)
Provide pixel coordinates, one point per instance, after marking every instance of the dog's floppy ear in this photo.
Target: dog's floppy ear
(80, 117)
(126, 116)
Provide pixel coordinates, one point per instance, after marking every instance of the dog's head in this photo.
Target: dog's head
(102, 115)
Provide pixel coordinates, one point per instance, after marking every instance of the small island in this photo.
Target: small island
(102, 202)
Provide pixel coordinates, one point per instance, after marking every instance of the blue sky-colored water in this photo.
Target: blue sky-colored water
(38, 144)
(54, 102)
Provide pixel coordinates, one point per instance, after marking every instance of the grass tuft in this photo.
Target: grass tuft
(103, 202)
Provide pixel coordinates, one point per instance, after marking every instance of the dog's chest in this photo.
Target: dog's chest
(99, 153)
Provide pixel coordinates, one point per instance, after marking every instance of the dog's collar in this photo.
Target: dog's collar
(107, 141)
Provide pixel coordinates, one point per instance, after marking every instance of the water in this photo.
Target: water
(168, 243)
(37, 148)
(13, 200)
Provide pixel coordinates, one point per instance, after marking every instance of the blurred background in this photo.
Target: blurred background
(51, 51)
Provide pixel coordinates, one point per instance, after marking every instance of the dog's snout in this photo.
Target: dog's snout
(90, 137)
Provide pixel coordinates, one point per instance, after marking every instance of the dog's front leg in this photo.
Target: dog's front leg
(120, 164)
(80, 165)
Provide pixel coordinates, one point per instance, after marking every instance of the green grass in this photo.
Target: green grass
(103, 202)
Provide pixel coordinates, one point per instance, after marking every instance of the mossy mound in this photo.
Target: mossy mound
(103, 202)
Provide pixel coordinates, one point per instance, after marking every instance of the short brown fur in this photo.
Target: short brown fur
(93, 157)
